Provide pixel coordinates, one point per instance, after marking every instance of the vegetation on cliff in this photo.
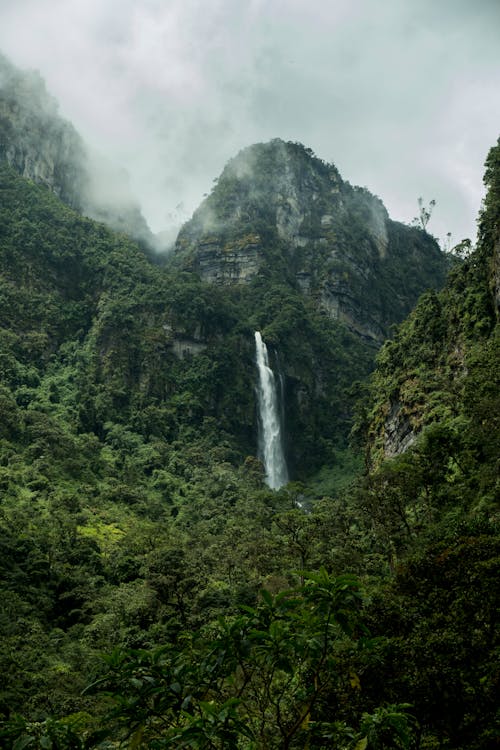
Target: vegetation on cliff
(277, 210)
(134, 520)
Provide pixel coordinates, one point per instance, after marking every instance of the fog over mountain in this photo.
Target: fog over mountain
(402, 97)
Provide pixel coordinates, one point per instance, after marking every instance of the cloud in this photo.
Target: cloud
(400, 96)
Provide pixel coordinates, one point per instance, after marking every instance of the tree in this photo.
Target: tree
(424, 213)
(258, 675)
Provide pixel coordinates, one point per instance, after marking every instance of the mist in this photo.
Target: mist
(401, 97)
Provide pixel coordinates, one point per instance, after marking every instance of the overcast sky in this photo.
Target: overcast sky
(403, 96)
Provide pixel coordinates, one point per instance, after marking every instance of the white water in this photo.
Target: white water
(270, 433)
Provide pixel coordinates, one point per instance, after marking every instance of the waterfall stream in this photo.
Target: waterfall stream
(270, 419)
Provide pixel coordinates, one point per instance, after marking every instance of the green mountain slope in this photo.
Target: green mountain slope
(132, 506)
(438, 378)
(430, 502)
(133, 513)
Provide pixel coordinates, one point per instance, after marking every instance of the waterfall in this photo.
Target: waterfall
(270, 419)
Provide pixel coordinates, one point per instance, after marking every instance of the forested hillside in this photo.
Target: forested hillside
(349, 609)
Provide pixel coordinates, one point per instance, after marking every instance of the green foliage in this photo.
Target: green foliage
(134, 519)
(428, 372)
(488, 219)
(438, 620)
(72, 733)
(257, 675)
(388, 727)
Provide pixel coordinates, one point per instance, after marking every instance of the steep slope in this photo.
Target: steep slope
(429, 505)
(163, 351)
(133, 512)
(69, 282)
(443, 360)
(41, 146)
(276, 207)
(128, 441)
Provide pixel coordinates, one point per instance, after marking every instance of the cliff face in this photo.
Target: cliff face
(43, 147)
(35, 140)
(277, 205)
(444, 357)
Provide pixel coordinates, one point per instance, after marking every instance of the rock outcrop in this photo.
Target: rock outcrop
(398, 431)
(278, 206)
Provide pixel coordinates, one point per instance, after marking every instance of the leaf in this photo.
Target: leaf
(186, 702)
(22, 742)
(136, 739)
(355, 681)
(261, 635)
(247, 609)
(266, 597)
(362, 744)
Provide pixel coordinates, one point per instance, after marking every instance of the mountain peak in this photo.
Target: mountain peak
(280, 210)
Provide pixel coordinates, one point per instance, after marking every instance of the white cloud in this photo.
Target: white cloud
(402, 97)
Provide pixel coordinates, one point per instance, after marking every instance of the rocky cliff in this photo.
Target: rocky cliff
(278, 206)
(45, 148)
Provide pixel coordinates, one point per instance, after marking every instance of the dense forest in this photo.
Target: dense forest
(155, 593)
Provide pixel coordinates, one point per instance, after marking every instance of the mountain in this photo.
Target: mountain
(355, 607)
(41, 146)
(159, 342)
(277, 206)
(324, 289)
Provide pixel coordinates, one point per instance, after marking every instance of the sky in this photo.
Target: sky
(403, 96)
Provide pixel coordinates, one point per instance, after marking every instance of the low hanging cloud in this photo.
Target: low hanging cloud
(402, 97)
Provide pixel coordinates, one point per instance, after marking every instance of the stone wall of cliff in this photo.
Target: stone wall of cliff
(277, 206)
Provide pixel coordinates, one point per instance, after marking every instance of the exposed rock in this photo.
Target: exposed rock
(35, 140)
(277, 207)
(187, 347)
(377, 226)
(234, 263)
(398, 432)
